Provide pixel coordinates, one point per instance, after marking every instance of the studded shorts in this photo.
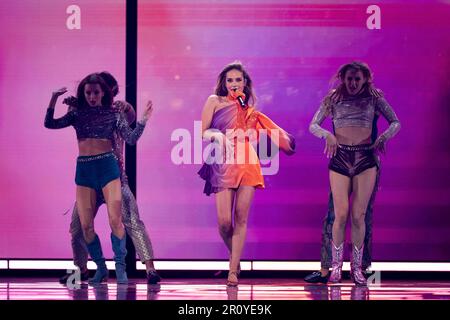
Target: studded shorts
(96, 171)
(352, 160)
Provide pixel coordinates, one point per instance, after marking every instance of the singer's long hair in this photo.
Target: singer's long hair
(94, 78)
(221, 89)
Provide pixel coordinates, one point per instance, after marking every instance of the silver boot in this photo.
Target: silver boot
(337, 255)
(356, 266)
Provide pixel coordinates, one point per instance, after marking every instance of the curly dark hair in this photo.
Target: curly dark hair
(94, 78)
(110, 81)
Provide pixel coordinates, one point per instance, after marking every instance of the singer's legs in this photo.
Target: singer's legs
(224, 204)
(244, 198)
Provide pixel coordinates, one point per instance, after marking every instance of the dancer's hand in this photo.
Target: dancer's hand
(336, 95)
(380, 145)
(122, 106)
(59, 92)
(331, 146)
(71, 101)
(55, 95)
(147, 111)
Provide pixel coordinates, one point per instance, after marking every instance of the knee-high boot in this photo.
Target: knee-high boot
(337, 259)
(120, 251)
(356, 266)
(95, 250)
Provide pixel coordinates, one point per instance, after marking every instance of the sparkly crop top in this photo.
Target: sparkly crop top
(355, 112)
(95, 122)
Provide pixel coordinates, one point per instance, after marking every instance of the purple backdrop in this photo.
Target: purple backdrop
(39, 54)
(291, 50)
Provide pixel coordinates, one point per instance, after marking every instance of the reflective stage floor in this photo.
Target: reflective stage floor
(215, 289)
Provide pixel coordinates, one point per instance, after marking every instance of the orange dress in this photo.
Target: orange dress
(242, 167)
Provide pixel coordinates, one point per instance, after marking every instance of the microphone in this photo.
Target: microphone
(239, 98)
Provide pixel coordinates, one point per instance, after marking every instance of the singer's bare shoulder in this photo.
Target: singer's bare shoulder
(211, 103)
(216, 100)
(215, 103)
(213, 97)
(209, 109)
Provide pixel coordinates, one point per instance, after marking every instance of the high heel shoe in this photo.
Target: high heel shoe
(221, 272)
(231, 282)
(239, 270)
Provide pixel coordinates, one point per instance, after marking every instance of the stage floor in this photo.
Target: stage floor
(215, 289)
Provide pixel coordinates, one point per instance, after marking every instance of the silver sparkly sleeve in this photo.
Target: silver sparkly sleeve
(117, 144)
(388, 113)
(130, 135)
(317, 120)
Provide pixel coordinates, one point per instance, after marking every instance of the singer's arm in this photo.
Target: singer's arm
(283, 140)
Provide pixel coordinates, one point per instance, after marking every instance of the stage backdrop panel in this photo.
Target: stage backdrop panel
(292, 49)
(40, 53)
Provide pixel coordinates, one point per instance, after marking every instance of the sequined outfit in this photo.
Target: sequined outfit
(96, 171)
(95, 122)
(355, 112)
(134, 226)
(361, 112)
(244, 169)
(352, 160)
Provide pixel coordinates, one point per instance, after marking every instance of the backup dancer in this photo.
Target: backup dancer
(134, 226)
(354, 107)
(95, 122)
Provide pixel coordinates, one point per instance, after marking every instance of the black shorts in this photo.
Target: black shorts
(352, 160)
